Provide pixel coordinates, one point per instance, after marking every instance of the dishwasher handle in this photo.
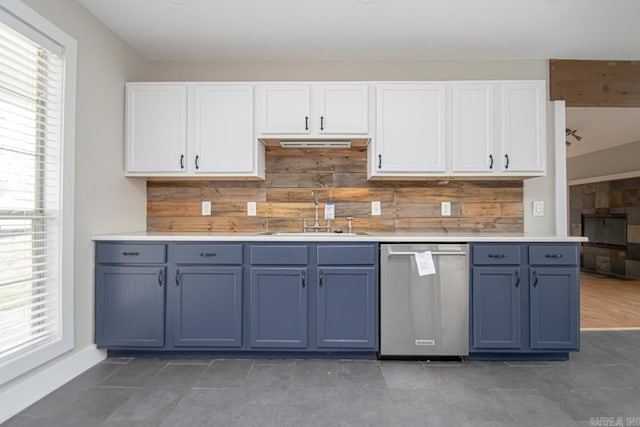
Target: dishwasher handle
(438, 253)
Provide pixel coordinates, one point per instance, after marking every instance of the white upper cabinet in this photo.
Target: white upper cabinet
(156, 136)
(313, 110)
(459, 128)
(342, 109)
(410, 130)
(523, 128)
(474, 128)
(416, 129)
(223, 138)
(192, 129)
(285, 109)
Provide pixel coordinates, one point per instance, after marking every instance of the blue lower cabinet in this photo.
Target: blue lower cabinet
(130, 304)
(346, 307)
(224, 297)
(529, 308)
(278, 307)
(207, 307)
(554, 312)
(496, 308)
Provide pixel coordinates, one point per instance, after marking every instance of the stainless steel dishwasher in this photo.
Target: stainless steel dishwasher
(424, 315)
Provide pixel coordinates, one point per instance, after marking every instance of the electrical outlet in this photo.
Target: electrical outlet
(376, 209)
(445, 208)
(538, 208)
(206, 208)
(251, 209)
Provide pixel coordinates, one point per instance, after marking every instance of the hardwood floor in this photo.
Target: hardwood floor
(609, 303)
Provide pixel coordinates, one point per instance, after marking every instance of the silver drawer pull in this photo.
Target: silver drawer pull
(125, 253)
(208, 254)
(496, 256)
(553, 256)
(444, 253)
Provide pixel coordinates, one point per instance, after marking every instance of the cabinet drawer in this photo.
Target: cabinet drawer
(346, 255)
(208, 254)
(553, 255)
(131, 253)
(280, 255)
(494, 255)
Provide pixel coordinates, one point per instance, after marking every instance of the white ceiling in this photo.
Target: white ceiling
(374, 29)
(602, 128)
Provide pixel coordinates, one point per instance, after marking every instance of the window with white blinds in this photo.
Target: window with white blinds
(31, 122)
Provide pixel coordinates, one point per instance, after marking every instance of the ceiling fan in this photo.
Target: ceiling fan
(572, 132)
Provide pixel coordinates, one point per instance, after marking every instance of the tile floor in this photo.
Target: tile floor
(603, 380)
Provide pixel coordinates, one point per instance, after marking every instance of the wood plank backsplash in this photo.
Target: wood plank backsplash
(339, 176)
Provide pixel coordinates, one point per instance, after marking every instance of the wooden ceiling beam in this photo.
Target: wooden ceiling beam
(595, 83)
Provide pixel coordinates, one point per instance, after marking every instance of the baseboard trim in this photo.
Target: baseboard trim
(28, 391)
(632, 328)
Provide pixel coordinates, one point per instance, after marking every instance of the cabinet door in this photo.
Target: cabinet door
(156, 136)
(284, 109)
(554, 313)
(496, 308)
(130, 306)
(410, 135)
(207, 307)
(474, 128)
(223, 129)
(346, 307)
(278, 308)
(523, 127)
(341, 109)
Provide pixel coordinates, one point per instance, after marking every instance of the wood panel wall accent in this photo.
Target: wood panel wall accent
(595, 83)
(337, 175)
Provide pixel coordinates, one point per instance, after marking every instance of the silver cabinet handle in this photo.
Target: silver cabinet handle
(445, 253)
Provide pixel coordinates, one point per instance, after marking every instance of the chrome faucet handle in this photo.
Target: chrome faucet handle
(349, 224)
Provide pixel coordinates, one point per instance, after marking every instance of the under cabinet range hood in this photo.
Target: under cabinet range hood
(315, 143)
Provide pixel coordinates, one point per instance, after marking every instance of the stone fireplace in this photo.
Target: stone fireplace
(609, 214)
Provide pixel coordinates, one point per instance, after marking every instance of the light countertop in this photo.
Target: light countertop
(145, 236)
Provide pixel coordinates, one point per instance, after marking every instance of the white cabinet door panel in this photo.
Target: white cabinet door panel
(223, 128)
(473, 130)
(523, 127)
(342, 109)
(284, 109)
(156, 137)
(410, 134)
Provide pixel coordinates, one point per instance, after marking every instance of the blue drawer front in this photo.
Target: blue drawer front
(346, 255)
(553, 255)
(496, 254)
(280, 255)
(131, 253)
(187, 253)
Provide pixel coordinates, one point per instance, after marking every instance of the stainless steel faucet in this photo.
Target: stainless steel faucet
(316, 220)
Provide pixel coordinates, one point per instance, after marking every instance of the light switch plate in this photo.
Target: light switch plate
(376, 209)
(206, 208)
(445, 208)
(251, 209)
(538, 208)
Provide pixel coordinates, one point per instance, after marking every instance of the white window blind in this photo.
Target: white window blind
(31, 117)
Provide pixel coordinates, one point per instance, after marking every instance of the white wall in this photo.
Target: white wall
(346, 70)
(106, 201)
(534, 189)
(612, 161)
